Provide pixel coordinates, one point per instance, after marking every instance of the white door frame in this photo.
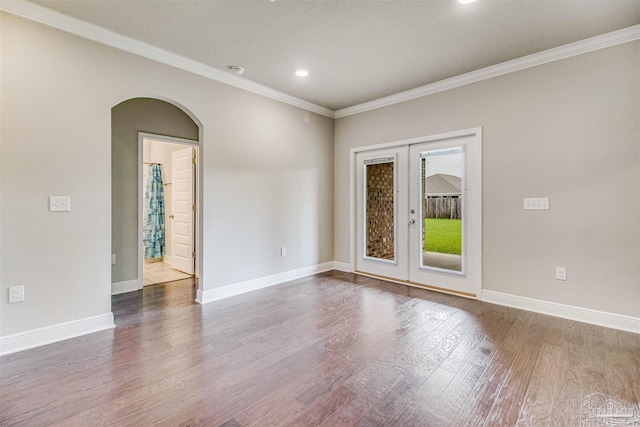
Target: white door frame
(472, 132)
(198, 197)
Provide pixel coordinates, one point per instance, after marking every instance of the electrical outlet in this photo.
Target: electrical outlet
(59, 204)
(561, 273)
(283, 251)
(16, 294)
(113, 258)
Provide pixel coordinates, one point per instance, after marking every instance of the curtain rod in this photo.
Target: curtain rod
(151, 163)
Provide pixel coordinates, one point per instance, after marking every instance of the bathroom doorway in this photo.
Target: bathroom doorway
(167, 224)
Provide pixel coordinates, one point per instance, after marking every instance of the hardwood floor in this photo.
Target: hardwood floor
(333, 349)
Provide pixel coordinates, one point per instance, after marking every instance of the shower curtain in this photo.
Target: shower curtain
(153, 231)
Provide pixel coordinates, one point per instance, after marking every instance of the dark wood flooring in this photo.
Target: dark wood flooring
(333, 349)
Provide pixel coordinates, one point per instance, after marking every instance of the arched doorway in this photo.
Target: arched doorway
(130, 120)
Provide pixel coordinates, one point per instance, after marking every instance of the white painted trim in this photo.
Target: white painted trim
(98, 34)
(572, 49)
(216, 294)
(343, 266)
(421, 139)
(580, 314)
(123, 287)
(54, 333)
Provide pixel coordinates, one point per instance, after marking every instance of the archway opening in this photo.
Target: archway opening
(132, 121)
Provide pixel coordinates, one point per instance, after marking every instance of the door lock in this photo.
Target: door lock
(412, 221)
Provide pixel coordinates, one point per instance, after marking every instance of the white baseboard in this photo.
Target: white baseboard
(343, 266)
(586, 315)
(168, 259)
(54, 333)
(216, 294)
(127, 286)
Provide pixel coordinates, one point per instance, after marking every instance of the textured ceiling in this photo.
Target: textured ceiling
(356, 51)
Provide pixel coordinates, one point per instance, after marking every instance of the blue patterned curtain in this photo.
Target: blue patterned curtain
(153, 232)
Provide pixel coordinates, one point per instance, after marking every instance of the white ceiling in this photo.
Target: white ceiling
(356, 51)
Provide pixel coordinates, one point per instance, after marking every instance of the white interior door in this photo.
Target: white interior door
(419, 213)
(382, 213)
(182, 230)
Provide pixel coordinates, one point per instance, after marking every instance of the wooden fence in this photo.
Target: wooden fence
(442, 207)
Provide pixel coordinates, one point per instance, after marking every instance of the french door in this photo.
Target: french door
(419, 213)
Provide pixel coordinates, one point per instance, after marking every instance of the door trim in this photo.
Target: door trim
(471, 132)
(197, 197)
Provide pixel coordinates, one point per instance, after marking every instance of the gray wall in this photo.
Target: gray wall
(127, 119)
(267, 174)
(568, 130)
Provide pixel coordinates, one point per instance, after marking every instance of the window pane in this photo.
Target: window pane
(442, 209)
(380, 210)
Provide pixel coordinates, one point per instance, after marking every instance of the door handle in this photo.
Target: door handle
(412, 221)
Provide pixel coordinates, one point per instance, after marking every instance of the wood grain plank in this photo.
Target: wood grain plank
(536, 409)
(482, 397)
(324, 408)
(511, 395)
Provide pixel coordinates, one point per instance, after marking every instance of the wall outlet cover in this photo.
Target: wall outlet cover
(59, 204)
(16, 294)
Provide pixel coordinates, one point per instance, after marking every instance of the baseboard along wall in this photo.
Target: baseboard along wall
(216, 294)
(63, 331)
(54, 333)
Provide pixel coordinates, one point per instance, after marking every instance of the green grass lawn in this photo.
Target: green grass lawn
(443, 235)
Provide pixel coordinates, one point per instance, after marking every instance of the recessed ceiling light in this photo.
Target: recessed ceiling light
(235, 69)
(302, 73)
(466, 1)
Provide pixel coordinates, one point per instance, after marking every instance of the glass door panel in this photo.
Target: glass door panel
(441, 178)
(380, 208)
(382, 198)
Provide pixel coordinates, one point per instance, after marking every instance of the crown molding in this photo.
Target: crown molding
(49, 17)
(572, 49)
(98, 34)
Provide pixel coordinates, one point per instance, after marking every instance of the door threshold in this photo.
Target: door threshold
(419, 285)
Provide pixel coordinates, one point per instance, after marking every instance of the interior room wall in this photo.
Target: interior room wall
(127, 119)
(267, 173)
(567, 130)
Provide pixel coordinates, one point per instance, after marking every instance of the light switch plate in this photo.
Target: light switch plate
(536, 203)
(59, 204)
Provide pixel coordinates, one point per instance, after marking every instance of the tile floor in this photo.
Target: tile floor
(161, 272)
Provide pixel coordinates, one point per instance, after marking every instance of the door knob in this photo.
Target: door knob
(412, 221)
